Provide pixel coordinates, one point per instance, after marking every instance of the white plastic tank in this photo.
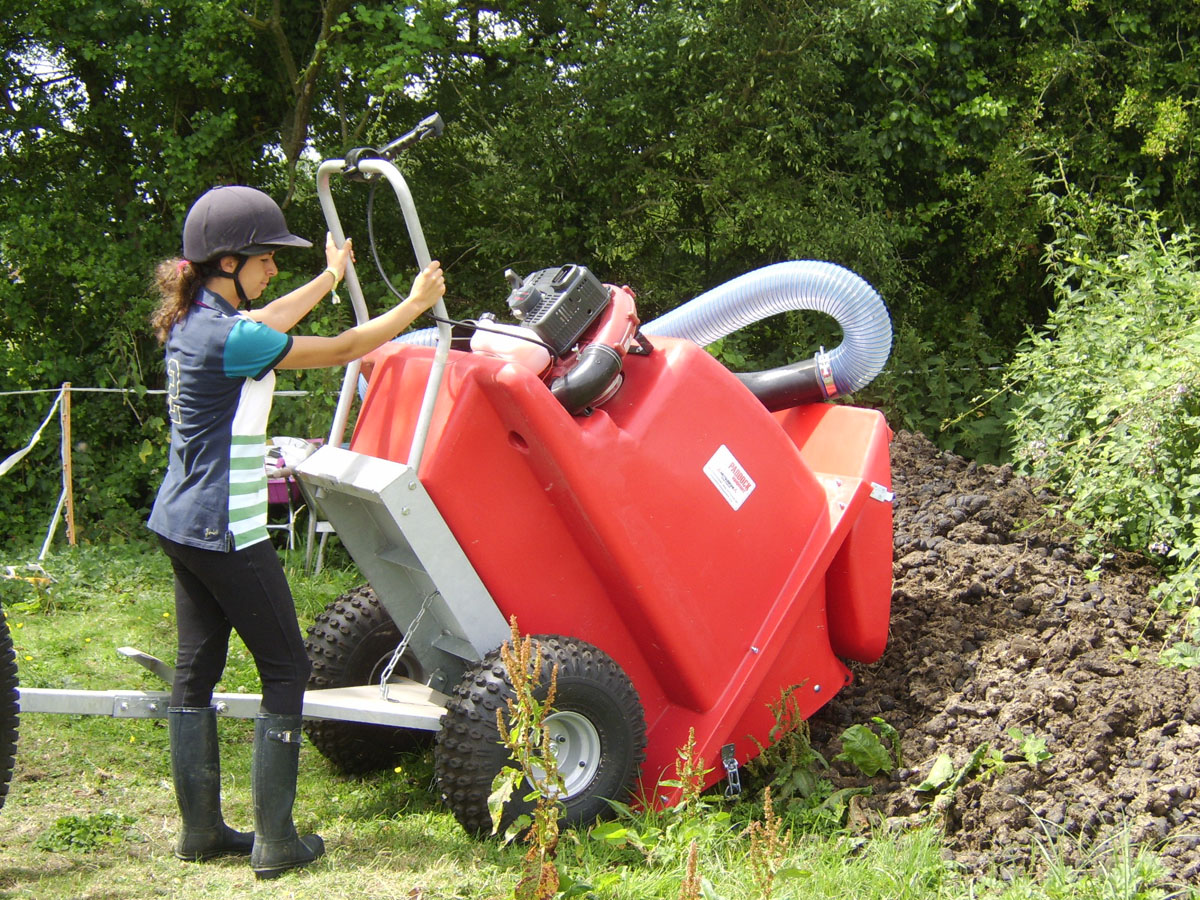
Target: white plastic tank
(512, 343)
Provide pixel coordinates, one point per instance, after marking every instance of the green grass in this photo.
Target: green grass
(91, 813)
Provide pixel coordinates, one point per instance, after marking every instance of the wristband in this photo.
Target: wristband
(336, 279)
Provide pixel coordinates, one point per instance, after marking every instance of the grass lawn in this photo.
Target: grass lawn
(91, 812)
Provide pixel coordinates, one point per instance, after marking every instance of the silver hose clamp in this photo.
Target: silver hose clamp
(825, 371)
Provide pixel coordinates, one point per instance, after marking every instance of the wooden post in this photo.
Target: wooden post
(68, 492)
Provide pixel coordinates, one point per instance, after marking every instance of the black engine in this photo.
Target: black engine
(558, 304)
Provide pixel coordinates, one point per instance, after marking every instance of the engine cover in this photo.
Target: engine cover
(559, 304)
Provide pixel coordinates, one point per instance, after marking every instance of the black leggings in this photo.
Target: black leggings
(246, 590)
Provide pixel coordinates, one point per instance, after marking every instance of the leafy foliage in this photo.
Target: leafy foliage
(1110, 409)
(524, 731)
(862, 748)
(669, 145)
(952, 389)
(1185, 654)
(793, 771)
(85, 834)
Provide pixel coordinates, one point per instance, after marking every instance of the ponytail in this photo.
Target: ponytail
(178, 281)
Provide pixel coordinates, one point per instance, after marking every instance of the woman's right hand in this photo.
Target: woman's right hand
(427, 288)
(336, 257)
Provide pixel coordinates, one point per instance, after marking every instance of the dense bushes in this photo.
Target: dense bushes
(1109, 408)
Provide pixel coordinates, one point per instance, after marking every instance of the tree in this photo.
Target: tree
(669, 144)
(113, 118)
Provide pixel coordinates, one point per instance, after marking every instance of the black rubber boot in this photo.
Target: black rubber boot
(277, 847)
(196, 770)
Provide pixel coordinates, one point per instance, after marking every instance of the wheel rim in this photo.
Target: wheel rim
(406, 666)
(402, 670)
(575, 744)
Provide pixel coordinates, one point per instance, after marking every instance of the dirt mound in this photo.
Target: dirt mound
(1000, 623)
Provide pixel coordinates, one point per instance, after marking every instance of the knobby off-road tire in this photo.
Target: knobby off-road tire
(597, 720)
(8, 708)
(350, 644)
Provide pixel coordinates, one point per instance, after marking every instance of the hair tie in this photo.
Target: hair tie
(183, 264)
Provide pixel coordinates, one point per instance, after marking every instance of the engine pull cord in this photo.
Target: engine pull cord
(478, 326)
(472, 323)
(374, 183)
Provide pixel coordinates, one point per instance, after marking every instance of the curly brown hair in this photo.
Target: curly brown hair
(178, 282)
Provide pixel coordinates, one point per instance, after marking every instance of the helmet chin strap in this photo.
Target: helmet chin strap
(237, 284)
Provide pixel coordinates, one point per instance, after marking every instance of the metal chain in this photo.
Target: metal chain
(399, 651)
(734, 788)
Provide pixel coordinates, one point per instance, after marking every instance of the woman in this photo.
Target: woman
(211, 511)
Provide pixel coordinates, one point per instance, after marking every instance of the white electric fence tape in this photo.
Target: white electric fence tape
(15, 458)
(24, 451)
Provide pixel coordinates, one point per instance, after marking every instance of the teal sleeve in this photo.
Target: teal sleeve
(254, 349)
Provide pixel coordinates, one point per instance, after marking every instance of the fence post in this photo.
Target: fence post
(68, 492)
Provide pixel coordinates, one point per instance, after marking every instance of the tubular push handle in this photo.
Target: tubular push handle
(363, 168)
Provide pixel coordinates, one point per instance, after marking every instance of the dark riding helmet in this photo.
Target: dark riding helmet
(238, 221)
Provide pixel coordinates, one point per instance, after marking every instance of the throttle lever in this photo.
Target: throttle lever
(430, 126)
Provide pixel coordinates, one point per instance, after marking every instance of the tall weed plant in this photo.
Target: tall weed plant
(1109, 408)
